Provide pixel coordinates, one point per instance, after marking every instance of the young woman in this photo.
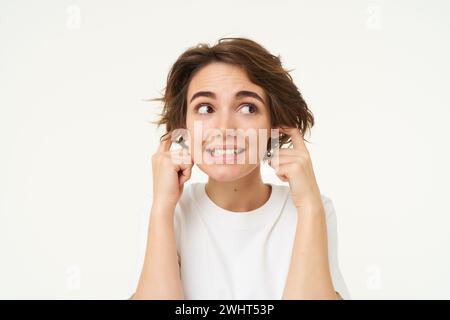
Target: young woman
(236, 237)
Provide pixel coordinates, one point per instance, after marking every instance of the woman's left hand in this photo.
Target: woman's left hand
(294, 165)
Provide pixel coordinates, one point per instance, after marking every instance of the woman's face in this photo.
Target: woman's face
(230, 112)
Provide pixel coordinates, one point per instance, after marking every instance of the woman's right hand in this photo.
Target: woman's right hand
(171, 169)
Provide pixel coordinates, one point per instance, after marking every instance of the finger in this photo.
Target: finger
(296, 137)
(278, 158)
(180, 156)
(288, 152)
(185, 175)
(281, 173)
(284, 169)
(184, 172)
(293, 153)
(283, 178)
(282, 160)
(165, 144)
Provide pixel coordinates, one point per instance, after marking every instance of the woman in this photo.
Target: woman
(236, 237)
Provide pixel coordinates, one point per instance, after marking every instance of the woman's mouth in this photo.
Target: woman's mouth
(221, 152)
(224, 153)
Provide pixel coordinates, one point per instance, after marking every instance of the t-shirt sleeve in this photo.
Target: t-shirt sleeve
(337, 278)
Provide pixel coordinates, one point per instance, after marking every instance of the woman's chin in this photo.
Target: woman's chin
(226, 172)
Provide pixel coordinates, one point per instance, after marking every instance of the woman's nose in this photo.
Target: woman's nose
(225, 121)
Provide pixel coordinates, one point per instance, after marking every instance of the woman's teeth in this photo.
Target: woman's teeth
(220, 152)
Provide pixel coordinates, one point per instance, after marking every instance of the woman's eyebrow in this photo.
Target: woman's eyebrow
(240, 94)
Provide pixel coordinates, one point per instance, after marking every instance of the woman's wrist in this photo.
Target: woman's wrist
(163, 208)
(311, 205)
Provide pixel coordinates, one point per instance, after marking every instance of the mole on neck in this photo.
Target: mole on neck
(241, 195)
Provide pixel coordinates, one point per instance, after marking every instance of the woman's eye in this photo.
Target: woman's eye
(248, 108)
(203, 108)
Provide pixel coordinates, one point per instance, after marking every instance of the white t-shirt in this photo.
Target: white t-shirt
(242, 255)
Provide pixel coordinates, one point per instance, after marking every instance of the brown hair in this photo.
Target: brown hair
(287, 107)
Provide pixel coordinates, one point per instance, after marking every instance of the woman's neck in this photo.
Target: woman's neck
(245, 194)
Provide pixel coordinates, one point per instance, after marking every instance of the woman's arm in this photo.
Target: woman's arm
(309, 275)
(160, 276)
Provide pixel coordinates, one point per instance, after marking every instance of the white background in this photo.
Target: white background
(76, 142)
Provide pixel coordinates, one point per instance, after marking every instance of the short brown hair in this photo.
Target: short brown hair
(287, 107)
